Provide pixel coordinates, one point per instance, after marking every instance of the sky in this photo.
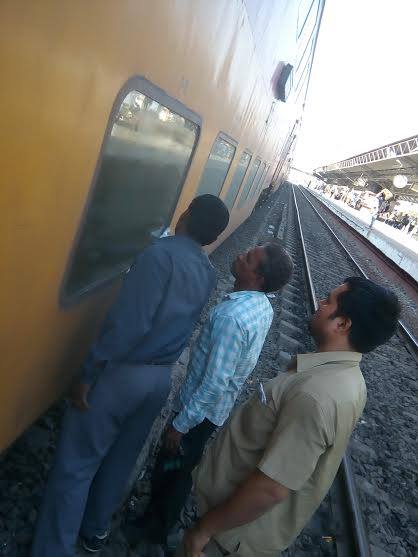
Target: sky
(363, 91)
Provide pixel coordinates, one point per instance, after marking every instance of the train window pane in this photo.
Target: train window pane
(257, 181)
(257, 187)
(263, 181)
(237, 179)
(138, 183)
(217, 167)
(248, 183)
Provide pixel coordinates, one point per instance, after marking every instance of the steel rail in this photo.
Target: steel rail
(406, 332)
(359, 534)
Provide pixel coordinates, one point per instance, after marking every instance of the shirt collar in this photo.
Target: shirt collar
(182, 239)
(315, 359)
(242, 294)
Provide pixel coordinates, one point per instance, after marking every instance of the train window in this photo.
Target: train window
(267, 171)
(145, 157)
(258, 181)
(262, 180)
(237, 180)
(248, 183)
(217, 167)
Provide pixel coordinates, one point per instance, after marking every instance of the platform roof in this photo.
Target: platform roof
(377, 168)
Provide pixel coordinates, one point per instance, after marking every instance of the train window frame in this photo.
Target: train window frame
(262, 180)
(259, 181)
(225, 137)
(256, 181)
(242, 202)
(248, 152)
(157, 94)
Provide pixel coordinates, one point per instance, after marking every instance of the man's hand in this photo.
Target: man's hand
(195, 540)
(172, 440)
(78, 395)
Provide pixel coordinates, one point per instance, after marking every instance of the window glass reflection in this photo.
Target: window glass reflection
(248, 183)
(138, 184)
(217, 167)
(237, 179)
(258, 181)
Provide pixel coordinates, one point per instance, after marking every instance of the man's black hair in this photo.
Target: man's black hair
(277, 267)
(208, 217)
(373, 310)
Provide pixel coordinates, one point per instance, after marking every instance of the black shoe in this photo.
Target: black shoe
(94, 544)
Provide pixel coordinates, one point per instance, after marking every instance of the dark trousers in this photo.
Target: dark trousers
(170, 488)
(96, 454)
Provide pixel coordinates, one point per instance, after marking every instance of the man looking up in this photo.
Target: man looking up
(269, 468)
(222, 358)
(126, 380)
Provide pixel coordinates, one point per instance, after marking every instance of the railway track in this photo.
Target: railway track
(365, 513)
(382, 453)
(363, 521)
(373, 262)
(350, 522)
(381, 461)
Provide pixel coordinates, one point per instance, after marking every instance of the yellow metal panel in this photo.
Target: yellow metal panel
(62, 65)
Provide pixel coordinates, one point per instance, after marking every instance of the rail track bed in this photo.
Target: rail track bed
(383, 451)
(376, 264)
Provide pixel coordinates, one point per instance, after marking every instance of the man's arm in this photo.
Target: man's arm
(226, 340)
(131, 317)
(299, 439)
(253, 498)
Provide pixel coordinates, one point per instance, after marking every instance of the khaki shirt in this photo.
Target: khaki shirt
(297, 437)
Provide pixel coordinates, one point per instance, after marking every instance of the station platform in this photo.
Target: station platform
(395, 244)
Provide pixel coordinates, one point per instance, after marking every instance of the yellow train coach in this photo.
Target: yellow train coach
(115, 114)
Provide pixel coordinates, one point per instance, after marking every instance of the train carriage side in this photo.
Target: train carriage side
(115, 115)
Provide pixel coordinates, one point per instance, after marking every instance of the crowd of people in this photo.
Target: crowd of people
(384, 206)
(258, 470)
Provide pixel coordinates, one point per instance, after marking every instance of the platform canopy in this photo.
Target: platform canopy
(393, 166)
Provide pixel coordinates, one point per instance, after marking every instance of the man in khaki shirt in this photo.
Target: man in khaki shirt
(272, 464)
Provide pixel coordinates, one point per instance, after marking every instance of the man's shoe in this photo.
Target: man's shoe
(94, 544)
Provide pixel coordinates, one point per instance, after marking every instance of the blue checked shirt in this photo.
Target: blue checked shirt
(224, 355)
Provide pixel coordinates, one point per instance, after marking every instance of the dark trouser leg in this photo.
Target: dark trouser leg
(170, 493)
(86, 439)
(108, 487)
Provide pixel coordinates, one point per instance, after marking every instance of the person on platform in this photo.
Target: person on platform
(125, 381)
(225, 353)
(405, 223)
(271, 465)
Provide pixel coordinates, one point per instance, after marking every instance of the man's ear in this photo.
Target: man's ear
(343, 324)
